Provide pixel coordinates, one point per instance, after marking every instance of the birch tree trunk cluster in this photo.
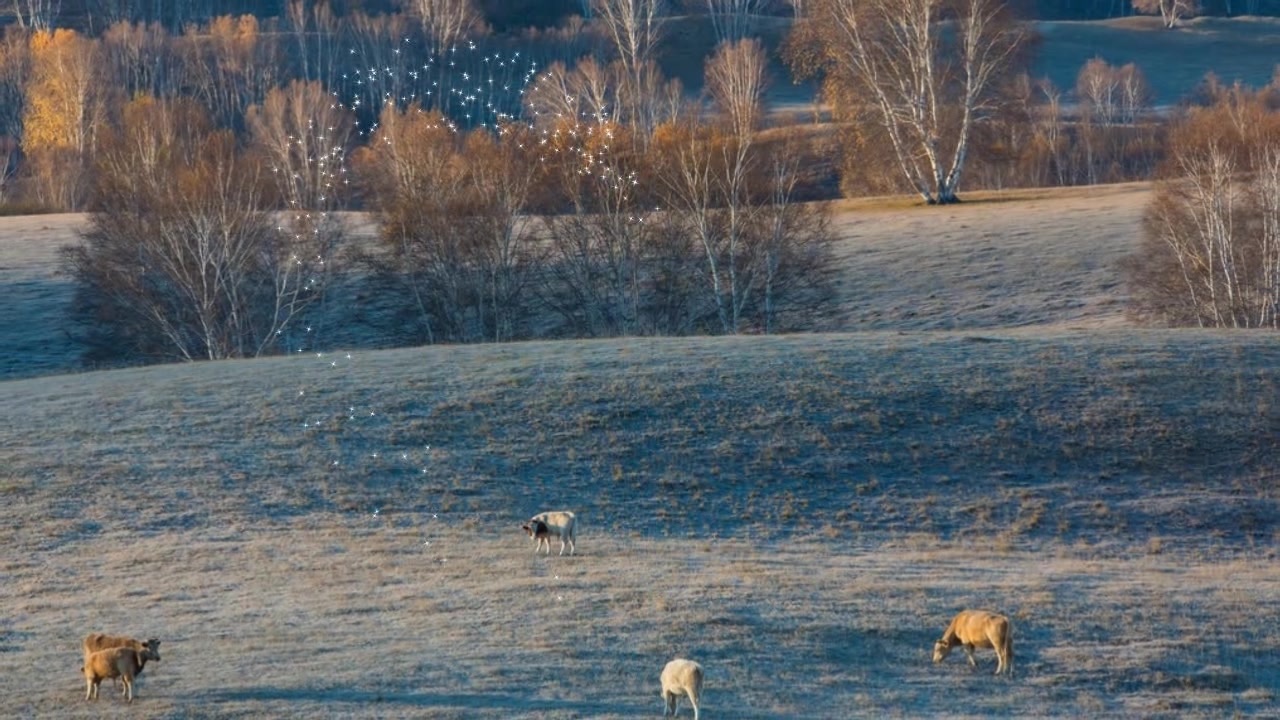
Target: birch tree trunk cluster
(1210, 255)
(927, 69)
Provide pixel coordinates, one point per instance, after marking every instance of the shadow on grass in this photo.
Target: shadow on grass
(472, 701)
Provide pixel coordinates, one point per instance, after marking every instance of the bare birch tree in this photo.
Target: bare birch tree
(733, 20)
(794, 256)
(928, 67)
(15, 72)
(595, 268)
(736, 81)
(635, 28)
(36, 14)
(1171, 12)
(304, 134)
(688, 173)
(444, 22)
(229, 66)
(142, 56)
(500, 179)
(315, 29)
(1210, 255)
(454, 225)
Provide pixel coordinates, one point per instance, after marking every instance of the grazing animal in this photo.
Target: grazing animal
(681, 678)
(93, 642)
(122, 662)
(978, 629)
(543, 526)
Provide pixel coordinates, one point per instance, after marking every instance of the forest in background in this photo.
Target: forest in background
(92, 16)
(560, 182)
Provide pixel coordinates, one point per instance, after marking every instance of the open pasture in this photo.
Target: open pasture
(339, 535)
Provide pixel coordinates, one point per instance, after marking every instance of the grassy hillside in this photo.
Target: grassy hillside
(1019, 259)
(339, 534)
(1173, 61)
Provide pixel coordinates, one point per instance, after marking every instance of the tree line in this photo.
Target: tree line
(213, 196)
(533, 187)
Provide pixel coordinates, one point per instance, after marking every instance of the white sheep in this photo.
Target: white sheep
(681, 678)
(543, 526)
(122, 662)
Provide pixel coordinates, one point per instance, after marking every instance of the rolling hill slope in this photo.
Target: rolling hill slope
(338, 534)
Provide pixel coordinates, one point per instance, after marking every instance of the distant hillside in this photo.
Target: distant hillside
(1173, 61)
(1017, 259)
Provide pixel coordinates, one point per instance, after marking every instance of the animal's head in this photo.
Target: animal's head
(941, 649)
(154, 646)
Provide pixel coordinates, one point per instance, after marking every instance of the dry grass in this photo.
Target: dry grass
(349, 616)
(801, 514)
(33, 332)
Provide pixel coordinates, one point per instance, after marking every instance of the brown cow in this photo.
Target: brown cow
(978, 629)
(93, 642)
(122, 662)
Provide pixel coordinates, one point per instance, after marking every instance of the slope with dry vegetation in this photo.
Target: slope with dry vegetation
(801, 513)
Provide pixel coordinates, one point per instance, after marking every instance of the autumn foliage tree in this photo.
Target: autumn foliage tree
(456, 238)
(1210, 252)
(64, 108)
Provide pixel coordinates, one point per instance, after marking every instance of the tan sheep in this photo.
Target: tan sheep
(543, 526)
(122, 662)
(681, 678)
(93, 642)
(978, 629)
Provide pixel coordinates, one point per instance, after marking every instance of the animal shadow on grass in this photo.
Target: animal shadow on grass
(471, 701)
